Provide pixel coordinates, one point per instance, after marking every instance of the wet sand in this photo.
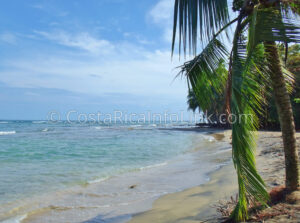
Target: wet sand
(196, 204)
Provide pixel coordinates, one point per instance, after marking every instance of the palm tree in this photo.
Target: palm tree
(192, 101)
(253, 57)
(211, 105)
(285, 113)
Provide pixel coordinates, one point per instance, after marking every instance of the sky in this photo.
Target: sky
(89, 56)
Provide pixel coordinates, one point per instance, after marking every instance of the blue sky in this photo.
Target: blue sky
(88, 55)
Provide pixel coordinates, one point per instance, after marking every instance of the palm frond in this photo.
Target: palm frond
(271, 25)
(246, 102)
(192, 101)
(204, 74)
(291, 6)
(193, 16)
(289, 79)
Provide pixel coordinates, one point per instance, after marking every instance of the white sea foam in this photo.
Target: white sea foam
(45, 130)
(135, 125)
(223, 151)
(209, 138)
(97, 180)
(38, 122)
(3, 122)
(16, 219)
(131, 127)
(153, 166)
(104, 127)
(7, 132)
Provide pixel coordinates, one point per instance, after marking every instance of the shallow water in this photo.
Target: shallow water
(79, 172)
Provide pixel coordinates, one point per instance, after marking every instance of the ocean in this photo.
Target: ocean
(81, 172)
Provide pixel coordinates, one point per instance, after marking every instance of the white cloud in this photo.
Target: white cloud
(82, 41)
(162, 15)
(162, 12)
(129, 69)
(89, 64)
(8, 38)
(126, 68)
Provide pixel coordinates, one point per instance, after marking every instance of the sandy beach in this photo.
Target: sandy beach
(197, 204)
(129, 111)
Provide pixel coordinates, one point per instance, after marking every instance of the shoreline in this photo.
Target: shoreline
(181, 190)
(196, 204)
(118, 198)
(192, 205)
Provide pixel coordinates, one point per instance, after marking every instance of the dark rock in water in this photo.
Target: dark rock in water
(133, 186)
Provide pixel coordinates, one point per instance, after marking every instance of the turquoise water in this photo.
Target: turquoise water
(37, 157)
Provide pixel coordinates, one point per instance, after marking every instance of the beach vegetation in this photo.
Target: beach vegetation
(268, 120)
(211, 104)
(254, 70)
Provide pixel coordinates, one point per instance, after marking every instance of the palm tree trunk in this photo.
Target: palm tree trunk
(228, 93)
(228, 89)
(285, 113)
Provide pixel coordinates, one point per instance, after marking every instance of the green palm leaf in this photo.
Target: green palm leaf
(291, 6)
(198, 16)
(246, 102)
(250, 73)
(192, 101)
(204, 74)
(269, 24)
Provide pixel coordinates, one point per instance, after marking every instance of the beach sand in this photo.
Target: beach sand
(197, 204)
(194, 204)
